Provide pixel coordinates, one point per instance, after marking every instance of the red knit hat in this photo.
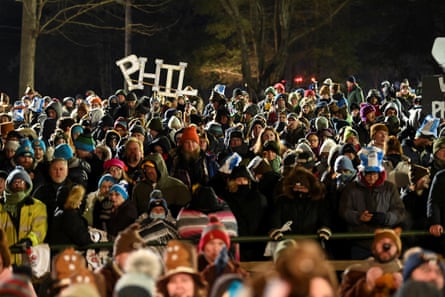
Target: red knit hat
(214, 230)
(115, 162)
(190, 133)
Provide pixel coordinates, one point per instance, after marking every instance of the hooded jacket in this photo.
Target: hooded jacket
(174, 190)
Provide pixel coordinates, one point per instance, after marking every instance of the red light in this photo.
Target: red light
(298, 79)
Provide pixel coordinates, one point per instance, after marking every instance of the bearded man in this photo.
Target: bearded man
(191, 165)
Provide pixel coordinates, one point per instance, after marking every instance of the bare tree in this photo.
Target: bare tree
(41, 17)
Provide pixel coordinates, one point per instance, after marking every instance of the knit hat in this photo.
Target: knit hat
(321, 123)
(39, 143)
(349, 131)
(84, 142)
(292, 115)
(137, 129)
(393, 234)
(157, 199)
(343, 163)
(120, 190)
(271, 145)
(80, 290)
(377, 127)
(230, 284)
(128, 240)
(106, 177)
(189, 133)
(214, 230)
(416, 172)
(115, 162)
(142, 268)
(25, 149)
(347, 148)
(371, 159)
(18, 172)
(235, 133)
(416, 256)
(63, 151)
(429, 127)
(240, 171)
(120, 122)
(366, 108)
(438, 144)
(215, 129)
(308, 93)
(16, 286)
(271, 90)
(155, 124)
(351, 79)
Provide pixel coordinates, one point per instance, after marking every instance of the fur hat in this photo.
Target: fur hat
(416, 172)
(74, 198)
(128, 240)
(63, 151)
(120, 190)
(215, 229)
(377, 127)
(190, 133)
(416, 256)
(393, 234)
(371, 159)
(180, 257)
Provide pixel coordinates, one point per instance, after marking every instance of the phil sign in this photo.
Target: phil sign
(132, 64)
(433, 95)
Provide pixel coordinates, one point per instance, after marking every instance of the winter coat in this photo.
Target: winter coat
(382, 197)
(436, 201)
(69, 228)
(355, 95)
(174, 190)
(122, 217)
(422, 157)
(32, 223)
(307, 215)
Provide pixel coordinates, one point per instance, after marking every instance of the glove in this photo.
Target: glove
(276, 234)
(378, 218)
(324, 233)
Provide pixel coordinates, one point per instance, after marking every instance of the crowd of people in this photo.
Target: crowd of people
(147, 173)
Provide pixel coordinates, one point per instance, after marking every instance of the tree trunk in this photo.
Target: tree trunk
(28, 45)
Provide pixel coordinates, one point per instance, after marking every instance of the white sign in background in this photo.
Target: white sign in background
(132, 64)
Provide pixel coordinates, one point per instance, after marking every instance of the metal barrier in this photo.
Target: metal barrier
(246, 239)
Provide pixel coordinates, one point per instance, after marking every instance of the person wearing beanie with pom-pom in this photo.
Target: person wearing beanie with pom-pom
(214, 259)
(19, 206)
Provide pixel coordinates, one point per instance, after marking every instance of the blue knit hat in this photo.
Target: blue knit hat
(63, 151)
(39, 143)
(343, 163)
(106, 177)
(119, 189)
(25, 149)
(84, 142)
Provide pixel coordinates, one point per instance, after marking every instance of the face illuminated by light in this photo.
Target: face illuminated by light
(212, 249)
(58, 171)
(116, 199)
(181, 285)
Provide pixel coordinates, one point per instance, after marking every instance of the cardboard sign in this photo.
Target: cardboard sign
(131, 65)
